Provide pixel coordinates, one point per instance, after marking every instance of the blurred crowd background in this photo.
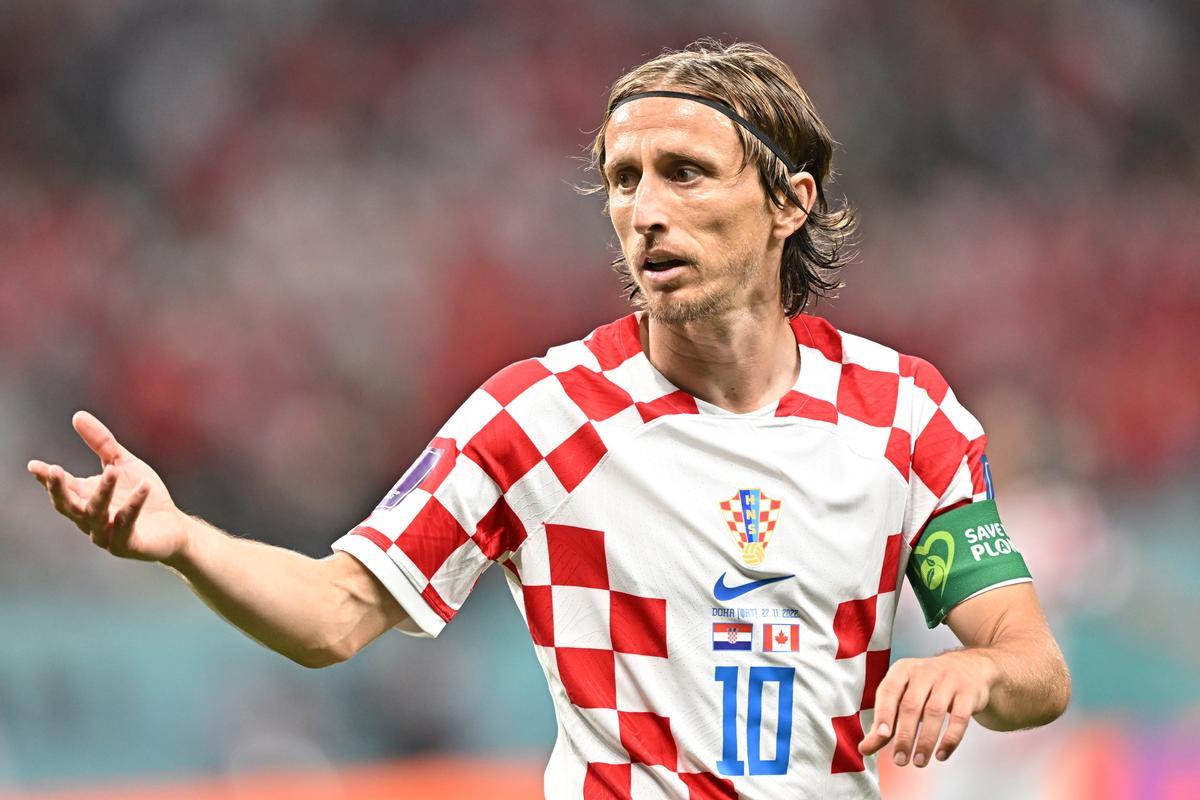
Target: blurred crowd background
(274, 244)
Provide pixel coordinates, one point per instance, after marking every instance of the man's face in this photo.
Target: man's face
(696, 229)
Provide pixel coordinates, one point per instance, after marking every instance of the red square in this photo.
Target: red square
(588, 676)
(575, 458)
(975, 464)
(848, 732)
(577, 557)
(431, 537)
(674, 403)
(890, 574)
(607, 782)
(648, 738)
(503, 450)
(638, 624)
(898, 452)
(925, 376)
(539, 614)
(877, 666)
(706, 786)
(381, 540)
(614, 343)
(435, 601)
(938, 452)
(597, 397)
(500, 531)
(508, 384)
(853, 624)
(868, 395)
(820, 335)
(799, 404)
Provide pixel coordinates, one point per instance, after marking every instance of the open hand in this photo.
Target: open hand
(922, 692)
(126, 508)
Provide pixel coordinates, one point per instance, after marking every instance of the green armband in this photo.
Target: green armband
(961, 553)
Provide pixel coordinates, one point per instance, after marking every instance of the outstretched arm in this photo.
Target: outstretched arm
(315, 612)
(1010, 674)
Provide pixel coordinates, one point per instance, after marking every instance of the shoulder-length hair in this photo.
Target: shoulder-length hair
(765, 91)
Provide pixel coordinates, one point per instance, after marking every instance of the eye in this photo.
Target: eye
(685, 174)
(625, 179)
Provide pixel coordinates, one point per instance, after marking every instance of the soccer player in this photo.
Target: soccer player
(703, 510)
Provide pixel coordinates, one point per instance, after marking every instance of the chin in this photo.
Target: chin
(671, 310)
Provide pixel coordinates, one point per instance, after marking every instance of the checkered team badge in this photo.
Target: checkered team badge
(751, 517)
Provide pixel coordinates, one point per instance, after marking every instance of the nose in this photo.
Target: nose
(650, 206)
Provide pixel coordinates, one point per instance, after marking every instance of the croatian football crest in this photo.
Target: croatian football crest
(751, 517)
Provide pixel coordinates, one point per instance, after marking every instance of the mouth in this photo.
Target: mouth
(662, 271)
(662, 264)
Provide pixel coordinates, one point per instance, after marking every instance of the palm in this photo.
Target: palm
(126, 508)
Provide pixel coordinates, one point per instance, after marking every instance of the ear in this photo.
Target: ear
(789, 218)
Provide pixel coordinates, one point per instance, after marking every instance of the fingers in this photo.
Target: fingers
(66, 503)
(95, 514)
(96, 510)
(932, 718)
(910, 709)
(126, 516)
(39, 470)
(98, 437)
(887, 699)
(960, 716)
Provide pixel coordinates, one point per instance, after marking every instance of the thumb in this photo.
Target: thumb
(99, 438)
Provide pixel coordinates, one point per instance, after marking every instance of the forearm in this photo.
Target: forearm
(1031, 684)
(282, 599)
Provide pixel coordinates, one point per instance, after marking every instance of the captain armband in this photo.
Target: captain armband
(961, 553)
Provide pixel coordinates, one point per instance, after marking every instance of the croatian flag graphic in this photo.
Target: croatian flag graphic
(781, 638)
(732, 635)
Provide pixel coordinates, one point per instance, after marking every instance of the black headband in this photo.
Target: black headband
(724, 109)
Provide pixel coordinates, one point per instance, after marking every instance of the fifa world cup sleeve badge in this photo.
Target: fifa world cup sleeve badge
(751, 517)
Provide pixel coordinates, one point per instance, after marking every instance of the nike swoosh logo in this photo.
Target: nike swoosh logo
(723, 592)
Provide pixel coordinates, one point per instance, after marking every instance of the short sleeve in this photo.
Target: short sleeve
(467, 501)
(959, 547)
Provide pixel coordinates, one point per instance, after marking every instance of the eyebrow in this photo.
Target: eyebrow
(619, 163)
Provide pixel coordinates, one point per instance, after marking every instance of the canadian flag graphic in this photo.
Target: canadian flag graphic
(781, 638)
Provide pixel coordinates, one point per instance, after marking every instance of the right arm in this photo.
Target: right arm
(315, 612)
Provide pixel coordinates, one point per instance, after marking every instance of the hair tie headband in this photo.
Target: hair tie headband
(724, 109)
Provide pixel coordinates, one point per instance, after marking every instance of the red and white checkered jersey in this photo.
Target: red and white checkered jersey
(651, 540)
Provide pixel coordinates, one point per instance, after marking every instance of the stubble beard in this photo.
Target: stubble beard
(712, 303)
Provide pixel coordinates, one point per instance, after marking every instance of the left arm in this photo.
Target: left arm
(1010, 674)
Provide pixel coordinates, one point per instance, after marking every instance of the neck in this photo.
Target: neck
(740, 361)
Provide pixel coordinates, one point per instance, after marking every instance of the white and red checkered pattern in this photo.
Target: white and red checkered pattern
(554, 469)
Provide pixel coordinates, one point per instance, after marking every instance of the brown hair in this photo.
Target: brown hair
(765, 91)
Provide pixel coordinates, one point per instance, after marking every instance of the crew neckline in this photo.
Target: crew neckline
(631, 343)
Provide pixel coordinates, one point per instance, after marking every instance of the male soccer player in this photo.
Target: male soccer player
(703, 509)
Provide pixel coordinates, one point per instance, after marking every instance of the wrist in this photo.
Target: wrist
(188, 534)
(982, 663)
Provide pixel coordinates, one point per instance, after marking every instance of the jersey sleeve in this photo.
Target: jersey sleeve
(959, 547)
(467, 501)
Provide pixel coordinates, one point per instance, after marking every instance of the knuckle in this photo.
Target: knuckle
(909, 705)
(935, 710)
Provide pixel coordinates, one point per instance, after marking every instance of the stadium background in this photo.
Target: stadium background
(274, 244)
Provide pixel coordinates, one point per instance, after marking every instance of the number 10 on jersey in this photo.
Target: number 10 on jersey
(759, 677)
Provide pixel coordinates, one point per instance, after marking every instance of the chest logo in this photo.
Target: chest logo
(722, 591)
(751, 517)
